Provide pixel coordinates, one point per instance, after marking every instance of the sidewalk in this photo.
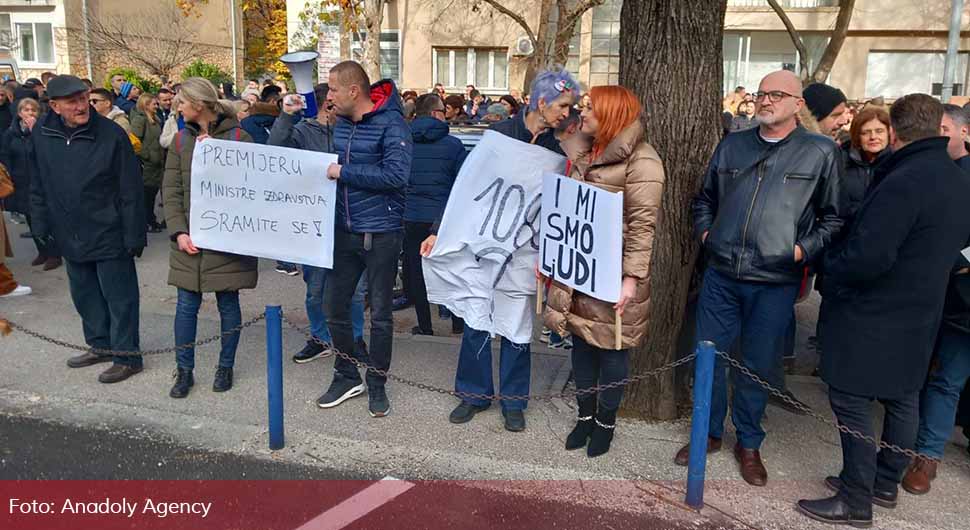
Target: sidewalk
(416, 441)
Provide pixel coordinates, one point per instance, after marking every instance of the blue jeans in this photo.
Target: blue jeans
(316, 283)
(187, 319)
(939, 398)
(474, 373)
(760, 314)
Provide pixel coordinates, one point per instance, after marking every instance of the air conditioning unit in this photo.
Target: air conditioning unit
(523, 47)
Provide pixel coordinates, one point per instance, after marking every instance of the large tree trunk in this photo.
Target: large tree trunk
(670, 55)
(372, 15)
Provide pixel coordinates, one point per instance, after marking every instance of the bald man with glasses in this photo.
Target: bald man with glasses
(771, 202)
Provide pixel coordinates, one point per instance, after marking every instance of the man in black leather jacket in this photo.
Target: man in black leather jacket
(769, 205)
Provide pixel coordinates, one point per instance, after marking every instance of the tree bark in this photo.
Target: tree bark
(372, 14)
(567, 27)
(670, 55)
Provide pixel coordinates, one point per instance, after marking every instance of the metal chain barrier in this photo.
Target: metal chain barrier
(565, 393)
(740, 367)
(113, 353)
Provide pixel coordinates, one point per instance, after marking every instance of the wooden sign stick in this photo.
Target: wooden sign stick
(539, 296)
(619, 330)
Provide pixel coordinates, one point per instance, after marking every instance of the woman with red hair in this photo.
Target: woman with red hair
(610, 153)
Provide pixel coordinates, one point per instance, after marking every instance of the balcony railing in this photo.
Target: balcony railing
(792, 4)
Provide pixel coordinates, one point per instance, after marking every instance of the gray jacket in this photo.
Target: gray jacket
(308, 134)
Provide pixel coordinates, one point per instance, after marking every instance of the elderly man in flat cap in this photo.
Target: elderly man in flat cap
(87, 200)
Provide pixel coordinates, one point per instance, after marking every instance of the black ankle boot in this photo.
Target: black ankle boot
(223, 379)
(599, 442)
(183, 383)
(584, 424)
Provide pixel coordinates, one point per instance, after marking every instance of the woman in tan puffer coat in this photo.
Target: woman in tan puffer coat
(610, 154)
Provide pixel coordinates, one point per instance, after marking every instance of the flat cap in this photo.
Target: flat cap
(62, 86)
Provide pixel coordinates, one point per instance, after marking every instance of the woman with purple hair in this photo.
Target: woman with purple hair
(553, 94)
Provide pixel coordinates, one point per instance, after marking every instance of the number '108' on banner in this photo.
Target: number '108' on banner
(581, 241)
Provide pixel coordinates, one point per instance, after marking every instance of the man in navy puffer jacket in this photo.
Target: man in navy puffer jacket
(373, 143)
(436, 161)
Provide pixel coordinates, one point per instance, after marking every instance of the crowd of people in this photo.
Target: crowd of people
(864, 199)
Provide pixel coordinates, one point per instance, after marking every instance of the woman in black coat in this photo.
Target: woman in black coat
(16, 149)
(868, 147)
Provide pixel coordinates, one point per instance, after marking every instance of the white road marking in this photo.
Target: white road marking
(361, 504)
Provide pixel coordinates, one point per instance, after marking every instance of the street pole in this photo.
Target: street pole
(235, 43)
(274, 374)
(699, 423)
(952, 47)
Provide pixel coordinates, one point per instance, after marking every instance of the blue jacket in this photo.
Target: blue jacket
(260, 122)
(375, 155)
(435, 163)
(124, 104)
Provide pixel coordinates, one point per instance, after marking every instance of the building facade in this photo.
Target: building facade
(893, 47)
(50, 35)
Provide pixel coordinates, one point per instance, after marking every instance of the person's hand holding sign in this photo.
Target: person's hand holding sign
(627, 292)
(185, 244)
(333, 172)
(428, 245)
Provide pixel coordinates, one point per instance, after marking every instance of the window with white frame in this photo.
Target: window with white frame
(6, 33)
(485, 68)
(35, 42)
(604, 62)
(390, 53)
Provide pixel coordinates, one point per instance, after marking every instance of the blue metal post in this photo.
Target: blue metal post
(274, 374)
(703, 381)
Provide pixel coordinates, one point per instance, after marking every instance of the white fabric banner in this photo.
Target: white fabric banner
(483, 264)
(258, 200)
(582, 237)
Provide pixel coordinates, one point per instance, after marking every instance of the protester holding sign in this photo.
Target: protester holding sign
(610, 154)
(553, 94)
(194, 270)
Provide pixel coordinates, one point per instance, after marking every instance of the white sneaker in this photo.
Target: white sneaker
(21, 290)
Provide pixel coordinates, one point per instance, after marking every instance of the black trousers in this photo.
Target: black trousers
(150, 193)
(414, 235)
(595, 366)
(44, 250)
(863, 468)
(354, 255)
(105, 294)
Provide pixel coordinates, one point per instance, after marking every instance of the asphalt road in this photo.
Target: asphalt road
(263, 493)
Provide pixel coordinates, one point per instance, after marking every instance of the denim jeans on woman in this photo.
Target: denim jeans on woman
(187, 319)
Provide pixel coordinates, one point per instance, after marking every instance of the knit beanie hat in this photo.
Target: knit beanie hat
(126, 89)
(822, 99)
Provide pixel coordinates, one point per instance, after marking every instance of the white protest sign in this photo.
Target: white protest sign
(483, 264)
(582, 237)
(258, 200)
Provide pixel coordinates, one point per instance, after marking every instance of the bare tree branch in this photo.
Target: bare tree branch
(796, 37)
(517, 18)
(836, 39)
(137, 41)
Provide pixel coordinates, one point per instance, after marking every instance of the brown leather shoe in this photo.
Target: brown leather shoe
(38, 261)
(118, 373)
(752, 469)
(919, 476)
(713, 446)
(52, 263)
(87, 359)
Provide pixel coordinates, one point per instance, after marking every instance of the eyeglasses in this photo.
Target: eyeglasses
(774, 96)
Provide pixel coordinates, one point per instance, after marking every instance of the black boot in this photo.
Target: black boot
(183, 383)
(599, 442)
(584, 424)
(223, 379)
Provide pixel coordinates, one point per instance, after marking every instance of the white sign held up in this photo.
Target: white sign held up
(482, 267)
(258, 200)
(582, 237)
